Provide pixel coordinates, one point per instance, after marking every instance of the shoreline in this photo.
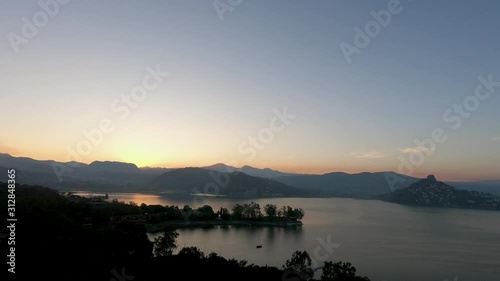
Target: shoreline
(155, 228)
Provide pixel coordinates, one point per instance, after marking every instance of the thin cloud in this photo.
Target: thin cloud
(496, 138)
(375, 154)
(413, 149)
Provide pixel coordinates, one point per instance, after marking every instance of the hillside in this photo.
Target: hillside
(235, 184)
(349, 185)
(113, 166)
(249, 170)
(432, 193)
(127, 177)
(97, 176)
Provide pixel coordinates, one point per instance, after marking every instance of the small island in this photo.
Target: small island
(157, 217)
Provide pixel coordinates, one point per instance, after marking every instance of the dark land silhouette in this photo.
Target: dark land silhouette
(432, 193)
(67, 237)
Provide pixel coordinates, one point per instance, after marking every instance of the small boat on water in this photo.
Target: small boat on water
(258, 246)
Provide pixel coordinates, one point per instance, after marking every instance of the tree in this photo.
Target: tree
(279, 212)
(238, 211)
(300, 264)
(246, 211)
(338, 271)
(165, 244)
(283, 212)
(193, 252)
(252, 210)
(299, 213)
(224, 214)
(290, 213)
(206, 212)
(206, 209)
(270, 210)
(144, 208)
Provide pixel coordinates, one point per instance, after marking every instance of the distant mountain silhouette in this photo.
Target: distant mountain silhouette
(249, 170)
(433, 193)
(156, 171)
(115, 176)
(265, 173)
(28, 171)
(235, 184)
(182, 180)
(111, 166)
(27, 164)
(351, 185)
(118, 176)
(221, 167)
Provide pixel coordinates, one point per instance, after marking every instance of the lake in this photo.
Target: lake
(383, 241)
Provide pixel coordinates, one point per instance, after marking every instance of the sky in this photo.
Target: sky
(298, 86)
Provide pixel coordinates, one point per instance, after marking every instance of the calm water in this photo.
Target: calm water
(383, 241)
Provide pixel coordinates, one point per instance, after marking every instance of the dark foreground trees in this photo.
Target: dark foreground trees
(63, 238)
(164, 245)
(299, 268)
(300, 264)
(340, 271)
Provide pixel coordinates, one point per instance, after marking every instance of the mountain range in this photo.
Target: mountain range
(106, 176)
(233, 184)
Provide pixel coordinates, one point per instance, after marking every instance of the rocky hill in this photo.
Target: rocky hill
(432, 193)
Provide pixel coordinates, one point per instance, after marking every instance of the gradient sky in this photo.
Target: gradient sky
(226, 77)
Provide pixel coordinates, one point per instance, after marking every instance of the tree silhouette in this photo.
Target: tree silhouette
(270, 210)
(224, 214)
(298, 213)
(251, 211)
(164, 245)
(339, 271)
(300, 264)
(193, 252)
(283, 212)
(205, 213)
(238, 211)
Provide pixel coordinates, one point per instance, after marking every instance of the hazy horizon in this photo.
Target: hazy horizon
(272, 168)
